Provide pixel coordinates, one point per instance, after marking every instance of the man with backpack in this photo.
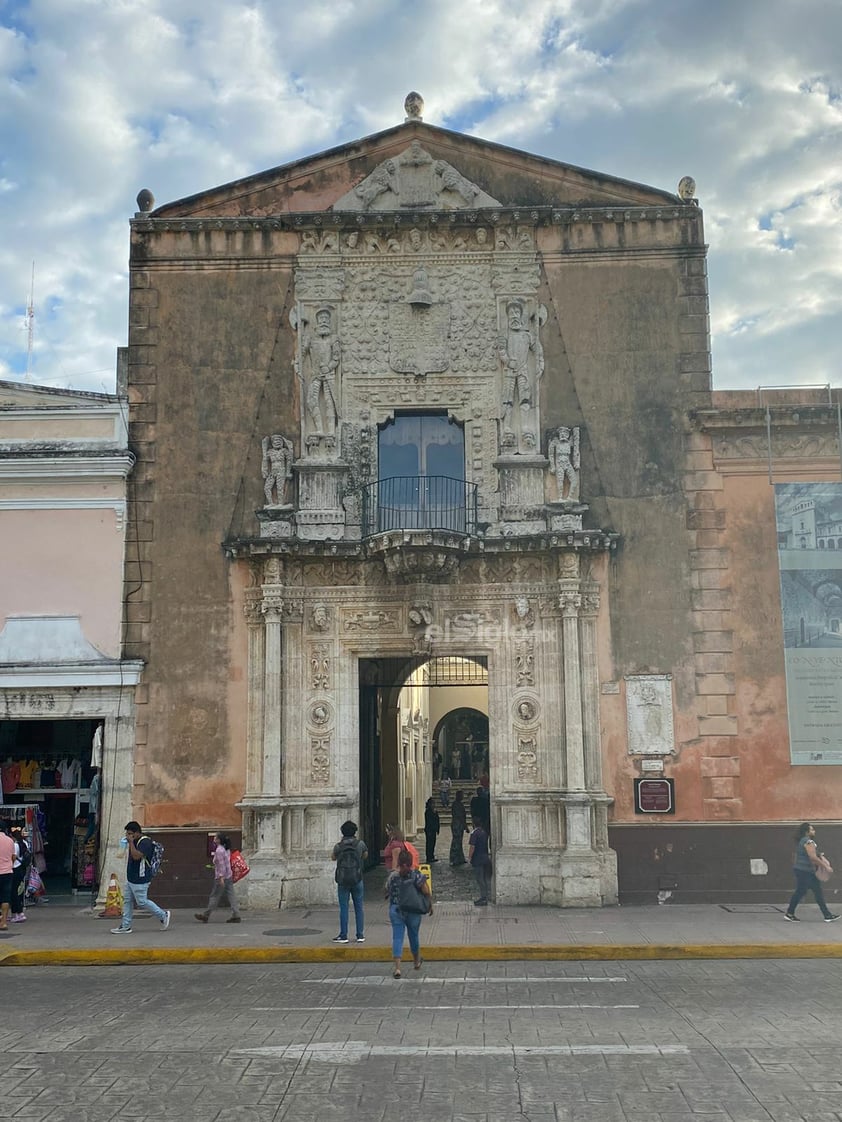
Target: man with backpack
(349, 855)
(144, 862)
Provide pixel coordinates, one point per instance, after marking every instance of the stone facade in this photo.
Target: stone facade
(550, 324)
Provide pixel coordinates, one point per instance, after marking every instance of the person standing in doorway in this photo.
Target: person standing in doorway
(458, 826)
(223, 882)
(20, 868)
(445, 783)
(350, 854)
(807, 860)
(432, 825)
(480, 859)
(138, 878)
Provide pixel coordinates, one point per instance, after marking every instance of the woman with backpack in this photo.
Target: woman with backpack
(410, 899)
(223, 882)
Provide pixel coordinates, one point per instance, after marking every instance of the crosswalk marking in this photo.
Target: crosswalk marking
(354, 1051)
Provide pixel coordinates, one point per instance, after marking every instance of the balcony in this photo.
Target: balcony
(413, 502)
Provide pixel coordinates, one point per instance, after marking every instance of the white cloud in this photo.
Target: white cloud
(103, 97)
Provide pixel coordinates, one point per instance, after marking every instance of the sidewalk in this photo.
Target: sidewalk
(70, 935)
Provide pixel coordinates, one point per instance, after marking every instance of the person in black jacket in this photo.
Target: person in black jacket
(432, 825)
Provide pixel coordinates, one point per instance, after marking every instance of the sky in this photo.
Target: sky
(100, 98)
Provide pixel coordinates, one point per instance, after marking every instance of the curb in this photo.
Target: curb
(192, 956)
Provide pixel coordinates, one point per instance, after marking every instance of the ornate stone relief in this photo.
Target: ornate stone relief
(524, 650)
(320, 666)
(320, 617)
(526, 709)
(796, 446)
(414, 179)
(371, 620)
(320, 714)
(527, 758)
(649, 716)
(320, 760)
(522, 614)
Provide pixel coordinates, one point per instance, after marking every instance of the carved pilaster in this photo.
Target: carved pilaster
(272, 607)
(570, 602)
(590, 686)
(255, 673)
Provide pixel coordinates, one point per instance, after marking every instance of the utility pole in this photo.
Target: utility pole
(30, 326)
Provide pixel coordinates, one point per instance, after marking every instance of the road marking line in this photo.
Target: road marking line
(419, 1008)
(382, 980)
(354, 1051)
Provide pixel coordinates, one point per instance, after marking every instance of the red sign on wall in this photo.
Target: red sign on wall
(654, 796)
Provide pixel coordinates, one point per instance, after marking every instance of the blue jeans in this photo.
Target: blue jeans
(356, 894)
(405, 921)
(138, 894)
(807, 881)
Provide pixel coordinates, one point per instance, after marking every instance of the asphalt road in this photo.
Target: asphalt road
(748, 1041)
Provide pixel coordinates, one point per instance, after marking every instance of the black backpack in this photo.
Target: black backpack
(349, 866)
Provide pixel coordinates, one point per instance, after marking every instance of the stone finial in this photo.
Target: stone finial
(145, 200)
(414, 106)
(687, 188)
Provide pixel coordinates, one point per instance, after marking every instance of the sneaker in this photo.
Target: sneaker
(165, 922)
(339, 939)
(831, 918)
(235, 919)
(201, 917)
(361, 938)
(792, 918)
(121, 931)
(19, 917)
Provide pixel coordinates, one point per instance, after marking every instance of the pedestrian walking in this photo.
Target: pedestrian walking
(397, 841)
(223, 882)
(458, 826)
(20, 870)
(480, 859)
(350, 854)
(432, 826)
(445, 783)
(807, 861)
(410, 899)
(7, 858)
(140, 869)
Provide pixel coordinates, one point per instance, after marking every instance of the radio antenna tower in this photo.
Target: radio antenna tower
(30, 326)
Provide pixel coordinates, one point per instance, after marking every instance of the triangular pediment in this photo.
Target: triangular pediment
(377, 174)
(415, 179)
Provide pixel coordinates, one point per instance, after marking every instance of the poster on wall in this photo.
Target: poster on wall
(809, 522)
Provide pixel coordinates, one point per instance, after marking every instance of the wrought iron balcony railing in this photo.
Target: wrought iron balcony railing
(419, 502)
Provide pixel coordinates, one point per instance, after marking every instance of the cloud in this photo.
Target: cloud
(103, 97)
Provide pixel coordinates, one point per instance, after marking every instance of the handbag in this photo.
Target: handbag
(411, 899)
(825, 871)
(239, 868)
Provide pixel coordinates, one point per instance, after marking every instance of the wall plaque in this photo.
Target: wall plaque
(654, 796)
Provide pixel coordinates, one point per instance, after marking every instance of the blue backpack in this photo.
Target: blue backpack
(153, 863)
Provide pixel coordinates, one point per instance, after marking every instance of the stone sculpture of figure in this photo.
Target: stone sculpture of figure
(563, 454)
(323, 350)
(382, 179)
(516, 348)
(451, 180)
(276, 467)
(321, 617)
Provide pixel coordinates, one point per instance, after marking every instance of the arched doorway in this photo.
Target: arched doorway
(410, 709)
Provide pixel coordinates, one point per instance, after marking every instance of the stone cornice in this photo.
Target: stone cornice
(492, 216)
(116, 672)
(581, 541)
(754, 418)
(68, 464)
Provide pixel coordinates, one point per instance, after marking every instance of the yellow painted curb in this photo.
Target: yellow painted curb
(190, 956)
